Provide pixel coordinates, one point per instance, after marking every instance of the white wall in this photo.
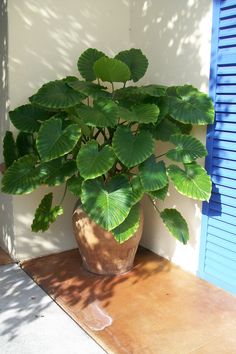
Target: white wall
(46, 38)
(175, 36)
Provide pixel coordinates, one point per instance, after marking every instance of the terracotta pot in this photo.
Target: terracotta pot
(100, 253)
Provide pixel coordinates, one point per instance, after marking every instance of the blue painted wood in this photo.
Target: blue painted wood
(217, 262)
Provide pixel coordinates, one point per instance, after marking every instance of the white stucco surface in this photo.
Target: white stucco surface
(176, 37)
(45, 39)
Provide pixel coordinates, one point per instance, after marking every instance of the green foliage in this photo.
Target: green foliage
(103, 114)
(23, 176)
(107, 204)
(99, 140)
(128, 227)
(27, 118)
(176, 224)
(111, 70)
(25, 144)
(131, 149)
(53, 142)
(141, 113)
(136, 61)
(187, 148)
(56, 95)
(86, 62)
(10, 152)
(153, 174)
(45, 214)
(92, 162)
(193, 181)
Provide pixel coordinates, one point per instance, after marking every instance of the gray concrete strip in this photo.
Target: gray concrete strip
(32, 323)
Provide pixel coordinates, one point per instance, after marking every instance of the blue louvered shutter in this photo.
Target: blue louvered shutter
(218, 240)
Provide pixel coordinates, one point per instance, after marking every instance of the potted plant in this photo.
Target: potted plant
(98, 136)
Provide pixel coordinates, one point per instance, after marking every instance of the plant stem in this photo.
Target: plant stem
(64, 194)
(88, 101)
(154, 205)
(157, 157)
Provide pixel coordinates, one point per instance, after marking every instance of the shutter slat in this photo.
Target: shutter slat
(224, 192)
(222, 234)
(228, 13)
(222, 272)
(222, 208)
(226, 89)
(227, 127)
(227, 3)
(224, 163)
(225, 117)
(221, 259)
(224, 154)
(230, 246)
(224, 172)
(219, 250)
(227, 23)
(224, 136)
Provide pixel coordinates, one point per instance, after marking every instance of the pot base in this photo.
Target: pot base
(100, 252)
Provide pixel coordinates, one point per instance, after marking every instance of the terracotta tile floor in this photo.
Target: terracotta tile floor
(4, 258)
(156, 308)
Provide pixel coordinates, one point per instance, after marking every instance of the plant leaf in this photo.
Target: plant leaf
(56, 95)
(193, 182)
(10, 153)
(176, 224)
(90, 89)
(23, 177)
(92, 162)
(153, 174)
(86, 62)
(58, 176)
(135, 60)
(103, 114)
(192, 106)
(142, 113)
(187, 148)
(137, 188)
(45, 214)
(131, 149)
(136, 94)
(163, 130)
(129, 226)
(107, 204)
(27, 118)
(111, 70)
(74, 185)
(53, 142)
(25, 144)
(160, 193)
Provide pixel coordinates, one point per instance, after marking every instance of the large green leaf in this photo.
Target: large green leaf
(136, 94)
(45, 214)
(107, 204)
(92, 162)
(129, 226)
(86, 62)
(163, 130)
(191, 106)
(131, 149)
(90, 89)
(23, 176)
(160, 193)
(27, 118)
(10, 153)
(74, 185)
(103, 114)
(25, 144)
(53, 142)
(187, 148)
(111, 70)
(192, 182)
(176, 224)
(56, 95)
(137, 188)
(153, 174)
(141, 113)
(136, 61)
(58, 175)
